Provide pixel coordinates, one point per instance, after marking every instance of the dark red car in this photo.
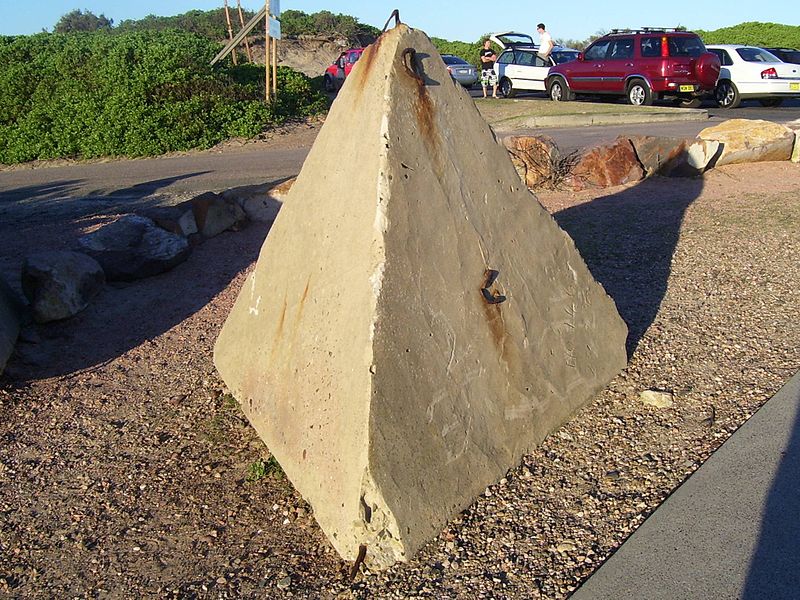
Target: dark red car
(642, 65)
(340, 68)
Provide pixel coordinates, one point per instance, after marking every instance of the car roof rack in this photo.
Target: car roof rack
(648, 30)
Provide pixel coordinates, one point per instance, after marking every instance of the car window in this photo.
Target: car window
(724, 57)
(506, 58)
(650, 46)
(685, 45)
(563, 56)
(541, 62)
(621, 48)
(525, 59)
(353, 57)
(454, 60)
(755, 55)
(598, 50)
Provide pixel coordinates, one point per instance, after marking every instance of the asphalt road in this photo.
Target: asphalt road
(255, 164)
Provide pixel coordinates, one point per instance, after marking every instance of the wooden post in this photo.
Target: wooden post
(241, 21)
(275, 67)
(267, 84)
(230, 32)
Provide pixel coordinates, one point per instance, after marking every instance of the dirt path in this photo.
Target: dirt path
(127, 471)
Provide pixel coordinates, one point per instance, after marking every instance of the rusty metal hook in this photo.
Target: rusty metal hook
(488, 295)
(396, 15)
(409, 58)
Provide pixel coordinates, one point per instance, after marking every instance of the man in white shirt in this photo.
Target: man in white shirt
(545, 41)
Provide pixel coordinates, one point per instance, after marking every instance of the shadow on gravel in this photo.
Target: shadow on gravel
(627, 239)
(773, 569)
(126, 315)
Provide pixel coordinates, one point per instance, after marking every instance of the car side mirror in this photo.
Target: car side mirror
(580, 56)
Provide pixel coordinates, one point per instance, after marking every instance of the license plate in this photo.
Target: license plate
(686, 88)
(794, 87)
(463, 71)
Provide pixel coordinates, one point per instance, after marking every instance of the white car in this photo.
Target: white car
(748, 72)
(519, 67)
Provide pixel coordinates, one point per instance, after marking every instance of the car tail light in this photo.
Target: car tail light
(449, 70)
(770, 73)
(664, 47)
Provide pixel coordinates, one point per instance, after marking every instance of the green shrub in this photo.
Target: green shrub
(469, 52)
(133, 94)
(755, 34)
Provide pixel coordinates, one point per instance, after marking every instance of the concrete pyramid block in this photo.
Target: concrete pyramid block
(416, 320)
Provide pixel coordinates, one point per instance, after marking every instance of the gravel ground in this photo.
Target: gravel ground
(127, 471)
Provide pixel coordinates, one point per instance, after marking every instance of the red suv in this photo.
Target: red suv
(340, 68)
(643, 65)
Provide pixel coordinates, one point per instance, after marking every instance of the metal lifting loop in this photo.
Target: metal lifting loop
(396, 15)
(409, 58)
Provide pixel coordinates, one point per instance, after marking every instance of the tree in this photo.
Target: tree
(78, 20)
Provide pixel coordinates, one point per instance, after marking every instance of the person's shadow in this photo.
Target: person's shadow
(628, 239)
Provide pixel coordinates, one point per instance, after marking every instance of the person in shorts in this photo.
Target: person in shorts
(488, 76)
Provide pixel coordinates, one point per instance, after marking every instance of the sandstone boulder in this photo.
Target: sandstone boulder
(11, 312)
(213, 214)
(402, 349)
(673, 157)
(607, 165)
(133, 247)
(750, 140)
(534, 157)
(698, 157)
(60, 284)
(262, 203)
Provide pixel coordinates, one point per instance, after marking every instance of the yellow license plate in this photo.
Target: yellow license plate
(794, 86)
(686, 88)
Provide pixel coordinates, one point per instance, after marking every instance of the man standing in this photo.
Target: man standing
(545, 41)
(488, 76)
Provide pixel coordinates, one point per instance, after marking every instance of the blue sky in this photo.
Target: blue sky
(464, 20)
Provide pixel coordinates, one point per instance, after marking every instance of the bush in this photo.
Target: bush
(469, 52)
(132, 94)
(325, 23)
(755, 34)
(210, 24)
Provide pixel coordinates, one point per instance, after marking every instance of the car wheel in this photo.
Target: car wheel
(507, 88)
(727, 94)
(328, 84)
(770, 102)
(690, 102)
(558, 91)
(639, 93)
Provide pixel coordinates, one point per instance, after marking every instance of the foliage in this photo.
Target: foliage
(77, 20)
(324, 23)
(265, 468)
(211, 24)
(469, 52)
(132, 94)
(755, 34)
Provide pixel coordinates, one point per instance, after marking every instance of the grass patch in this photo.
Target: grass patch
(261, 468)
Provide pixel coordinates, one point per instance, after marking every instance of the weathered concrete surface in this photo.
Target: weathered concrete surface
(748, 140)
(362, 347)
